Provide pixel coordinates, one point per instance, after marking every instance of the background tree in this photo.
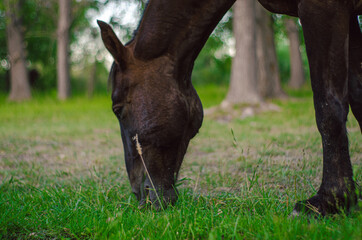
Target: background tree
(40, 18)
(297, 76)
(255, 72)
(243, 81)
(19, 87)
(268, 77)
(90, 62)
(63, 74)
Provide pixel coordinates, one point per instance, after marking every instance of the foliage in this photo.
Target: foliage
(213, 65)
(39, 18)
(81, 77)
(209, 68)
(62, 175)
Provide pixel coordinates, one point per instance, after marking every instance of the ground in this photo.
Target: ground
(62, 175)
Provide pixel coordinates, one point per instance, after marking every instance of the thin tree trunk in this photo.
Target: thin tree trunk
(19, 81)
(269, 84)
(92, 79)
(243, 82)
(63, 49)
(297, 77)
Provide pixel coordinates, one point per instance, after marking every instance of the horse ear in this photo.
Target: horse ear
(112, 43)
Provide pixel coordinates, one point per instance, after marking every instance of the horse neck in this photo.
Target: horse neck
(178, 28)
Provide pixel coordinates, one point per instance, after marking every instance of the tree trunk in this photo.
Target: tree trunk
(297, 77)
(19, 82)
(92, 79)
(243, 82)
(269, 84)
(63, 49)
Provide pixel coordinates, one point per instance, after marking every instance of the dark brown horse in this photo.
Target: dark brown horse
(153, 96)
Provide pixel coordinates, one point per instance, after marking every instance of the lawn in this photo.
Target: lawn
(62, 175)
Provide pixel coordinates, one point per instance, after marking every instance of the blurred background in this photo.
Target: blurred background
(54, 48)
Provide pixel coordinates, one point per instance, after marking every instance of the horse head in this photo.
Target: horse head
(150, 103)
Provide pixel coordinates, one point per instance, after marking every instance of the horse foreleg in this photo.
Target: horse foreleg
(355, 69)
(326, 28)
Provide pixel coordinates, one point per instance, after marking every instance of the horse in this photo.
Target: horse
(157, 105)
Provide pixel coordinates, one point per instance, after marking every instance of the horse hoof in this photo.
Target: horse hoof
(322, 205)
(311, 206)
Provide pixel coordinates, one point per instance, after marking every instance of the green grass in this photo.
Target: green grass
(62, 175)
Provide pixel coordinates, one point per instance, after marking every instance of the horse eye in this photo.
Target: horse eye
(118, 113)
(117, 109)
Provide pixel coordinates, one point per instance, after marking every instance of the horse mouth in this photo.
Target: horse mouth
(158, 198)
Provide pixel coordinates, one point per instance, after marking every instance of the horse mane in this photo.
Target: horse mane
(139, 23)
